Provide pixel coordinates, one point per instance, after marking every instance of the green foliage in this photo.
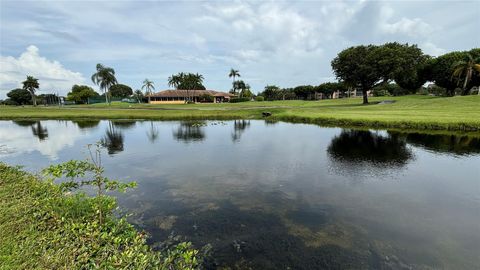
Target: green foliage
(148, 86)
(241, 99)
(42, 227)
(389, 89)
(20, 97)
(81, 94)
(139, 96)
(271, 92)
(304, 91)
(364, 67)
(329, 88)
(186, 81)
(105, 78)
(31, 85)
(259, 98)
(205, 98)
(121, 90)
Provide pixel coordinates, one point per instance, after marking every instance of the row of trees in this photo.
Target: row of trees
(366, 67)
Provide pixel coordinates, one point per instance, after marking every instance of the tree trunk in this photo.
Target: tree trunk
(365, 96)
(106, 97)
(34, 99)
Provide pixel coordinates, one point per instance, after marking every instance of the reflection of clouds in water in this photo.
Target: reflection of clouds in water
(20, 140)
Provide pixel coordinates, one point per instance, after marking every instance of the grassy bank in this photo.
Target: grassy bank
(408, 112)
(43, 228)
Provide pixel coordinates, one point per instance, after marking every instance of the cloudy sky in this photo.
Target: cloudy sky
(286, 43)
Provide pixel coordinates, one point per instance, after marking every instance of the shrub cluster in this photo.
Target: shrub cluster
(241, 99)
(42, 227)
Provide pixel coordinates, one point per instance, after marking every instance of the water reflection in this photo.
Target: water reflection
(452, 144)
(113, 139)
(24, 123)
(124, 124)
(87, 124)
(370, 147)
(239, 126)
(152, 133)
(39, 131)
(190, 131)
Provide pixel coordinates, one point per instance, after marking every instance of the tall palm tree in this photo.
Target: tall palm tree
(234, 73)
(105, 78)
(465, 68)
(148, 86)
(31, 85)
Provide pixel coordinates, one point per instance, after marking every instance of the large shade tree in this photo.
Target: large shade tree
(104, 78)
(121, 90)
(358, 68)
(148, 86)
(364, 67)
(31, 85)
(19, 96)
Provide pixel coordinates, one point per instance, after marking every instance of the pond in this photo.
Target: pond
(274, 195)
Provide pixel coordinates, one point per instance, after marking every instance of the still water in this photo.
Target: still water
(282, 196)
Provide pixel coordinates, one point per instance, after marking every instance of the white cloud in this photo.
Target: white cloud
(53, 77)
(432, 49)
(415, 27)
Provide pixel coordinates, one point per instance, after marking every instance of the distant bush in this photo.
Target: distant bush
(437, 90)
(259, 98)
(236, 100)
(9, 102)
(205, 98)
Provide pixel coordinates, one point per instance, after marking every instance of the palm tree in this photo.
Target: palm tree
(148, 86)
(105, 78)
(138, 95)
(465, 68)
(31, 85)
(234, 73)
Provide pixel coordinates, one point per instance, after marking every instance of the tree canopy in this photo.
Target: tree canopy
(20, 96)
(186, 81)
(121, 90)
(364, 67)
(81, 93)
(105, 78)
(31, 85)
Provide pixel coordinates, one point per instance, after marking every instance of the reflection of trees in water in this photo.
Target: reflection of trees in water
(269, 122)
(455, 144)
(39, 131)
(24, 123)
(239, 126)
(86, 124)
(113, 139)
(124, 124)
(152, 133)
(189, 131)
(367, 146)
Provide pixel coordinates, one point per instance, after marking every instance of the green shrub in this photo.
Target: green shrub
(43, 227)
(205, 98)
(259, 98)
(242, 99)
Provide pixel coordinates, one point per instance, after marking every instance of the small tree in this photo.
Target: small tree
(121, 90)
(105, 78)
(31, 85)
(148, 86)
(88, 172)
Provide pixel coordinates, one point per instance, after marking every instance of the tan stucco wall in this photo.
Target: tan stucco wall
(167, 102)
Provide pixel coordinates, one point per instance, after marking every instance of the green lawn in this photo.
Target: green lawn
(460, 113)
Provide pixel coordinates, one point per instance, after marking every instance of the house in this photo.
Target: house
(180, 96)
